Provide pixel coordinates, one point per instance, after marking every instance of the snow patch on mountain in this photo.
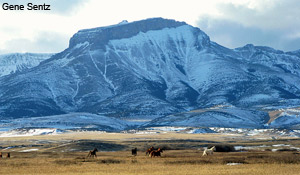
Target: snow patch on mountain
(17, 62)
(223, 117)
(288, 118)
(73, 121)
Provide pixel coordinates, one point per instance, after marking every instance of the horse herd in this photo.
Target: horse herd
(152, 152)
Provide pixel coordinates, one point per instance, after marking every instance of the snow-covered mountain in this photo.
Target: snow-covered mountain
(156, 69)
(18, 62)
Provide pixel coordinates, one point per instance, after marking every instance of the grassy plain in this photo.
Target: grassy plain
(66, 154)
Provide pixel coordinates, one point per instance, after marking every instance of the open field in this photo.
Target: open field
(66, 154)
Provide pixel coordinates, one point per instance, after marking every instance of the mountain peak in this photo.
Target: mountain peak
(157, 24)
(251, 47)
(123, 22)
(101, 35)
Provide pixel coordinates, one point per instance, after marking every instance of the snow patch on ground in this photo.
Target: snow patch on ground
(201, 131)
(31, 132)
(29, 150)
(273, 133)
(232, 164)
(167, 128)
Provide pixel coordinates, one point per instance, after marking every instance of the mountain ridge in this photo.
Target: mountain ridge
(18, 62)
(104, 34)
(152, 69)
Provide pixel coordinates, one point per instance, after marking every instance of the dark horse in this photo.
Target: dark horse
(93, 153)
(134, 151)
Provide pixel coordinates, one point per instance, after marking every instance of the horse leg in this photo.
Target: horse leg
(89, 154)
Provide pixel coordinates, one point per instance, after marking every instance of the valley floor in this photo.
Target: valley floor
(66, 154)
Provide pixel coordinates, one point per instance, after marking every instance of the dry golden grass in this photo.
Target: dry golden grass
(175, 162)
(66, 154)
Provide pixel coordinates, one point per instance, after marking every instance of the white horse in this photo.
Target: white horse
(210, 151)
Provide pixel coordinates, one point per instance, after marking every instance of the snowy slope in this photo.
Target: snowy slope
(225, 116)
(17, 62)
(287, 118)
(153, 69)
(74, 121)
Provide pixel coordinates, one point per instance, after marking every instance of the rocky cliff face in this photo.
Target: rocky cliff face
(153, 68)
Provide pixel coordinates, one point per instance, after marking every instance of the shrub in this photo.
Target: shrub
(110, 161)
(189, 162)
(287, 149)
(288, 160)
(223, 148)
(65, 162)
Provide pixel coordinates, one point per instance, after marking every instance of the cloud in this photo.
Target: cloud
(67, 6)
(265, 14)
(44, 42)
(273, 23)
(233, 34)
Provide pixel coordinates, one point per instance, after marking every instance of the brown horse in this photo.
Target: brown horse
(156, 153)
(93, 153)
(149, 150)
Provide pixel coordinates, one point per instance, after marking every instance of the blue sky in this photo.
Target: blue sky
(232, 23)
